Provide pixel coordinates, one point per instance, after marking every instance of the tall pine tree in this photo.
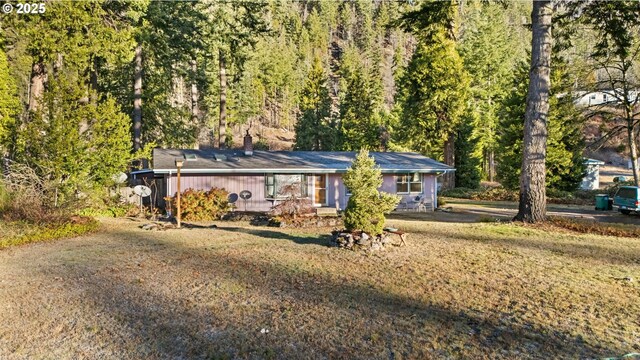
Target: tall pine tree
(315, 129)
(432, 95)
(565, 146)
(360, 108)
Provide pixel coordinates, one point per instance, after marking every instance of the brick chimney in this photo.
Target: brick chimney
(248, 144)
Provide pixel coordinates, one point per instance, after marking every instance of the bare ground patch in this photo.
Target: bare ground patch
(458, 290)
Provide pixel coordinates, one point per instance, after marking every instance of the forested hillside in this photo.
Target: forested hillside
(104, 79)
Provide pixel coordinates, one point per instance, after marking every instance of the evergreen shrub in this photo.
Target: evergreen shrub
(367, 205)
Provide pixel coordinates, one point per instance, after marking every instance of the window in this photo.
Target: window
(282, 186)
(409, 183)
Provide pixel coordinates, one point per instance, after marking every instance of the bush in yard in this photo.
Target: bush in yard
(25, 196)
(200, 205)
(367, 206)
(293, 205)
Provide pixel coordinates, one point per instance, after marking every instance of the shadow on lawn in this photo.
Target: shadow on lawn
(199, 326)
(271, 234)
(563, 248)
(440, 216)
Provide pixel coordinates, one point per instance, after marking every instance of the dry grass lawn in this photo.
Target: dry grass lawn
(472, 290)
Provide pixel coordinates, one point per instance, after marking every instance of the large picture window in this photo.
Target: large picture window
(409, 183)
(282, 186)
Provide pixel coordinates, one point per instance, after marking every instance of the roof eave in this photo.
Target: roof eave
(296, 171)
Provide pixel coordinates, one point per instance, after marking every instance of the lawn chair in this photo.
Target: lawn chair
(422, 204)
(403, 204)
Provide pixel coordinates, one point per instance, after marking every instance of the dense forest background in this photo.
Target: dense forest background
(88, 87)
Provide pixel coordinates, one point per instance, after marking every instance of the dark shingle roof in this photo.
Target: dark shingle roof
(234, 161)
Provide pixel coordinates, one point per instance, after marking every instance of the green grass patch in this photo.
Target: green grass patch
(23, 233)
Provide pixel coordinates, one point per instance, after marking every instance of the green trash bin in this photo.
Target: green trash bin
(602, 202)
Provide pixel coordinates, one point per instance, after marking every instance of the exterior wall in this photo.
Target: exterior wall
(234, 184)
(591, 180)
(336, 191)
(428, 189)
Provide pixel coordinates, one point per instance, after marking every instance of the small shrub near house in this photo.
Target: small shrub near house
(200, 205)
(367, 205)
(294, 205)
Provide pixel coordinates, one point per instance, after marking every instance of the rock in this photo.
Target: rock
(385, 239)
(364, 236)
(150, 226)
(375, 246)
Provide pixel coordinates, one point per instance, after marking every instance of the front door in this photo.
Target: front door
(320, 186)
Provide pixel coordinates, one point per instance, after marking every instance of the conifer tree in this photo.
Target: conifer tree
(532, 205)
(432, 95)
(467, 163)
(565, 146)
(76, 145)
(490, 52)
(367, 205)
(360, 110)
(315, 129)
(9, 103)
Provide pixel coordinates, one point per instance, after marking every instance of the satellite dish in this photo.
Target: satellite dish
(245, 195)
(142, 190)
(119, 178)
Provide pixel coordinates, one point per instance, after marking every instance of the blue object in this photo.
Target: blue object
(627, 199)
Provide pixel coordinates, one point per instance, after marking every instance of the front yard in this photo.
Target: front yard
(458, 290)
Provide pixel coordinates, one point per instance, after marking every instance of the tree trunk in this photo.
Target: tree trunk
(633, 150)
(222, 131)
(449, 178)
(492, 164)
(137, 100)
(533, 200)
(195, 111)
(36, 85)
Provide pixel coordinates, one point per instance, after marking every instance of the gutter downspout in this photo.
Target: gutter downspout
(435, 190)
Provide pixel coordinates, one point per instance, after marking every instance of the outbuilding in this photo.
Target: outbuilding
(591, 180)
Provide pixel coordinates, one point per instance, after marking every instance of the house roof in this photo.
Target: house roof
(234, 161)
(588, 161)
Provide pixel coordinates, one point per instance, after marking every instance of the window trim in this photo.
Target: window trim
(409, 182)
(304, 190)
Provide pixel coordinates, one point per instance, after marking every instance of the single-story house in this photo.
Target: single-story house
(265, 174)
